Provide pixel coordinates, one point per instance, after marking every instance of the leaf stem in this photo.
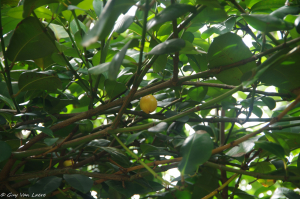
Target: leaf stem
(221, 187)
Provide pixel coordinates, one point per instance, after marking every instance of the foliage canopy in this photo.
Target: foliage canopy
(227, 116)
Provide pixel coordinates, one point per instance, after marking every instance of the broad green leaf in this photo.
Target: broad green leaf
(168, 47)
(98, 143)
(124, 23)
(58, 31)
(15, 12)
(227, 49)
(107, 18)
(44, 130)
(138, 186)
(146, 148)
(210, 3)
(80, 182)
(9, 24)
(264, 167)
(285, 10)
(196, 150)
(30, 45)
(271, 147)
(276, 138)
(160, 127)
(99, 69)
(160, 63)
(257, 111)
(211, 15)
(283, 192)
(197, 93)
(206, 183)
(43, 12)
(50, 141)
(171, 12)
(220, 28)
(117, 155)
(30, 5)
(198, 62)
(116, 62)
(45, 185)
(267, 23)
(113, 88)
(47, 80)
(270, 102)
(8, 101)
(5, 151)
(132, 137)
(267, 4)
(278, 75)
(98, 6)
(112, 67)
(243, 147)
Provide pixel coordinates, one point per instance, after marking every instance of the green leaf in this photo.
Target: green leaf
(211, 15)
(257, 111)
(58, 31)
(168, 47)
(270, 102)
(139, 186)
(98, 6)
(8, 101)
(112, 67)
(264, 167)
(196, 150)
(5, 151)
(198, 93)
(146, 148)
(160, 63)
(210, 3)
(50, 141)
(220, 28)
(44, 130)
(160, 127)
(117, 155)
(30, 5)
(171, 12)
(267, 23)
(283, 192)
(47, 80)
(113, 88)
(285, 10)
(278, 75)
(267, 4)
(116, 62)
(99, 69)
(107, 18)
(243, 147)
(98, 143)
(271, 147)
(45, 185)
(132, 137)
(29, 37)
(15, 12)
(227, 49)
(124, 23)
(206, 183)
(80, 182)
